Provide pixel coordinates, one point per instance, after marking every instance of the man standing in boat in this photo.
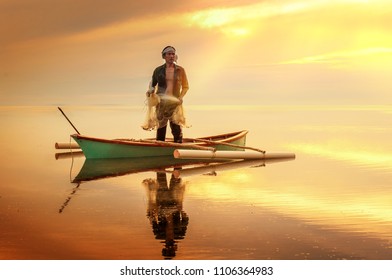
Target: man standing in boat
(169, 81)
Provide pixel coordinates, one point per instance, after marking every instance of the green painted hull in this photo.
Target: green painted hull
(95, 169)
(120, 148)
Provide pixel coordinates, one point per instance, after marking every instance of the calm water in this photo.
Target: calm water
(334, 201)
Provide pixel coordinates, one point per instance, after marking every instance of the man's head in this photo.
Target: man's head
(168, 50)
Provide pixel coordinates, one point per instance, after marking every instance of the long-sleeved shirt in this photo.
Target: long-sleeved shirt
(180, 85)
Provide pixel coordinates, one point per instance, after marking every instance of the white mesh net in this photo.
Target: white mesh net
(161, 109)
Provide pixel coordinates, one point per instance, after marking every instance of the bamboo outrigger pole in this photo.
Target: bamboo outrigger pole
(66, 146)
(225, 144)
(68, 120)
(197, 154)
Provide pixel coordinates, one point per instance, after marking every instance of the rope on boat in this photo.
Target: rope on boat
(72, 162)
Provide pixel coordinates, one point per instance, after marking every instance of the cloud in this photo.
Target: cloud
(234, 16)
(40, 20)
(31, 19)
(234, 20)
(218, 17)
(89, 47)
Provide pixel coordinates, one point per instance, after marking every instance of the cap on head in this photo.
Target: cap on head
(167, 49)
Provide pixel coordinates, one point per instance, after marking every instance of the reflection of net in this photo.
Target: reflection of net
(161, 109)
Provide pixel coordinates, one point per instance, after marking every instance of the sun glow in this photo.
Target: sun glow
(241, 15)
(341, 58)
(237, 21)
(349, 153)
(297, 202)
(213, 44)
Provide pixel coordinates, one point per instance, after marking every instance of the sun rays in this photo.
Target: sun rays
(220, 44)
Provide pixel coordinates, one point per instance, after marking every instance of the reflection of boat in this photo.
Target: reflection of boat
(213, 168)
(68, 155)
(165, 209)
(94, 169)
(165, 212)
(131, 148)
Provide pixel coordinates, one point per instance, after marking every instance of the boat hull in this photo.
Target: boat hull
(122, 148)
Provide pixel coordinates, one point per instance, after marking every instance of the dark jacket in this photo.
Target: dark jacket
(180, 79)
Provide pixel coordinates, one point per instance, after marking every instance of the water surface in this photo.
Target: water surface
(332, 202)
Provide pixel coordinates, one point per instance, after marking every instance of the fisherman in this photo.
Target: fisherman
(170, 83)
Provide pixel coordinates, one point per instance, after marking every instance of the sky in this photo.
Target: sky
(235, 52)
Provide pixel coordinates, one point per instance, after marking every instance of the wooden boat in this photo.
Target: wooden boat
(131, 148)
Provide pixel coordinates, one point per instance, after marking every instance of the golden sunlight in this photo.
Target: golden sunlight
(241, 16)
(236, 32)
(300, 203)
(348, 152)
(236, 21)
(343, 57)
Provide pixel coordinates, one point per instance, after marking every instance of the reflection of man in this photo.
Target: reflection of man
(169, 80)
(169, 222)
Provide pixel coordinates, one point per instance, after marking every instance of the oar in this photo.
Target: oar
(68, 120)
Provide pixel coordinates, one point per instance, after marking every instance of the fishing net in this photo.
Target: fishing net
(151, 121)
(161, 109)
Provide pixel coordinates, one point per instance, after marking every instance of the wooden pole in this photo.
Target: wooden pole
(68, 120)
(194, 154)
(213, 168)
(224, 144)
(68, 155)
(66, 146)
